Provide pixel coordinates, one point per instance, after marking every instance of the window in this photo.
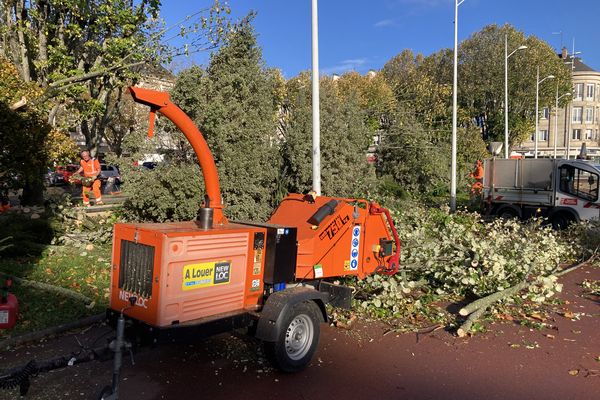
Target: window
(578, 182)
(532, 137)
(589, 134)
(578, 91)
(545, 113)
(589, 92)
(577, 111)
(543, 135)
(576, 134)
(589, 114)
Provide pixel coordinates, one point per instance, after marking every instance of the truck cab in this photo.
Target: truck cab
(576, 196)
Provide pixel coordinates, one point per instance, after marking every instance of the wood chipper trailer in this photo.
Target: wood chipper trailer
(171, 281)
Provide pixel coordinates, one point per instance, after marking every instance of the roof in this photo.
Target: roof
(579, 65)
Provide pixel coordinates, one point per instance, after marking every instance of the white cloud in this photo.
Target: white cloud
(383, 23)
(345, 66)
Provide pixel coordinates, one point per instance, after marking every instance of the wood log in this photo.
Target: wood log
(492, 298)
(48, 287)
(465, 328)
(477, 308)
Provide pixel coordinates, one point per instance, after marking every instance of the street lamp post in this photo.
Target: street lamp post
(454, 109)
(537, 116)
(506, 56)
(556, 116)
(316, 124)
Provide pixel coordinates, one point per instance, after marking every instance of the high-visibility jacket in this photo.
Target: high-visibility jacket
(90, 167)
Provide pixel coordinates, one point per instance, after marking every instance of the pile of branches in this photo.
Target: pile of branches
(74, 227)
(457, 256)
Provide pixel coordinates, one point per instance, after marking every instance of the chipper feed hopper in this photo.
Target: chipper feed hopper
(197, 278)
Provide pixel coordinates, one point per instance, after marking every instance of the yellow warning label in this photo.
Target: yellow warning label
(347, 265)
(206, 274)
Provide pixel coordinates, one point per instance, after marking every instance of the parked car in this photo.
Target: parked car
(110, 171)
(54, 178)
(67, 171)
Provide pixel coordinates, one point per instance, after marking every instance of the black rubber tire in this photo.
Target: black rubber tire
(302, 330)
(561, 221)
(507, 213)
(105, 392)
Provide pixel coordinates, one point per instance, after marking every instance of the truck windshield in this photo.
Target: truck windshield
(579, 182)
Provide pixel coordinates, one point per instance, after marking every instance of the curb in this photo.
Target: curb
(52, 331)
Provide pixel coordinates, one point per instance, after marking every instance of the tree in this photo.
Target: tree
(345, 138)
(232, 103)
(75, 51)
(481, 80)
(23, 132)
(374, 95)
(80, 53)
(422, 84)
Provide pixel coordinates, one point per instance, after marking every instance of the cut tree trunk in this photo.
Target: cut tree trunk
(477, 308)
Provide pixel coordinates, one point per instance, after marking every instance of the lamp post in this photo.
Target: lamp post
(506, 56)
(537, 117)
(556, 116)
(454, 109)
(316, 148)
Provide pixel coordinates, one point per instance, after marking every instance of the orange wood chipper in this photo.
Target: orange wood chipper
(197, 278)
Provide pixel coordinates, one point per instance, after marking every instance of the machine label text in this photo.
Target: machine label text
(206, 274)
(334, 227)
(140, 302)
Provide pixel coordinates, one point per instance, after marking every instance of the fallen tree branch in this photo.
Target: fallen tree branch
(465, 328)
(486, 301)
(48, 287)
(477, 308)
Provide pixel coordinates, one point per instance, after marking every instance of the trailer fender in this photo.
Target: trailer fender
(270, 323)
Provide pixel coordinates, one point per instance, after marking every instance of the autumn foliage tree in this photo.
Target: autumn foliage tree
(23, 133)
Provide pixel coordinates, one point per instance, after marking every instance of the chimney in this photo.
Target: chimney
(565, 53)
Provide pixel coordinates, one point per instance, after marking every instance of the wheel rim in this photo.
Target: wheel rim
(299, 336)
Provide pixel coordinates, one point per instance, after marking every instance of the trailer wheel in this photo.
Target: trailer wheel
(296, 345)
(106, 393)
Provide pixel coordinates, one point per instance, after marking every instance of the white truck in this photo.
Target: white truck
(564, 191)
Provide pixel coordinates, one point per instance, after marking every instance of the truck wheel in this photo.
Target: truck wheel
(507, 213)
(296, 345)
(561, 221)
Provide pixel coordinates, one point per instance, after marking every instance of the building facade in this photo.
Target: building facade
(568, 128)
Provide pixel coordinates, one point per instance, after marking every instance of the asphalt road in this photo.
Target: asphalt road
(509, 361)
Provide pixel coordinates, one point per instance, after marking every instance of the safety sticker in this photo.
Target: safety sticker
(346, 265)
(206, 274)
(4, 317)
(255, 285)
(318, 268)
(354, 253)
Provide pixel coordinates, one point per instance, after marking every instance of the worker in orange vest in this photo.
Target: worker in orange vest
(477, 174)
(91, 169)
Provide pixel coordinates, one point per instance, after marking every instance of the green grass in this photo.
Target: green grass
(86, 272)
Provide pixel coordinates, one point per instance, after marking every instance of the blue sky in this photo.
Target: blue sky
(362, 35)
